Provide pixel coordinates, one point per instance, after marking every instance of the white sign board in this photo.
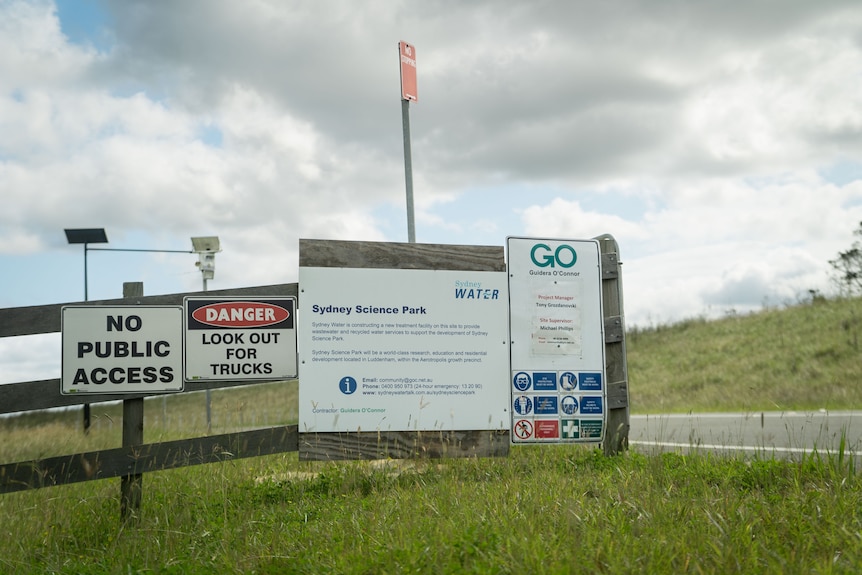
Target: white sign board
(557, 377)
(402, 350)
(124, 349)
(239, 339)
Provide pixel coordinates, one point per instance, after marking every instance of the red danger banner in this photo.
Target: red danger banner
(240, 314)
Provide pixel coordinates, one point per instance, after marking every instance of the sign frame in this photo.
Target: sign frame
(407, 57)
(251, 356)
(557, 342)
(154, 363)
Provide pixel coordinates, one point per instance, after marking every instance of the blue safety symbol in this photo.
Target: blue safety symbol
(523, 405)
(546, 405)
(569, 405)
(568, 381)
(522, 381)
(591, 381)
(347, 385)
(545, 381)
(591, 404)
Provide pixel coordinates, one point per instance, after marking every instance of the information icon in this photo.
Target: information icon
(347, 385)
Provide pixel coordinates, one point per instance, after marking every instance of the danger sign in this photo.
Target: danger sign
(240, 339)
(125, 349)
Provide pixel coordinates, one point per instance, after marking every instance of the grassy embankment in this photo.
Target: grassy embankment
(806, 357)
(551, 509)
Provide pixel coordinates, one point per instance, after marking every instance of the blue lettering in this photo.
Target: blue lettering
(462, 293)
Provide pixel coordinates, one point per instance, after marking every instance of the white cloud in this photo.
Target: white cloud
(33, 50)
(702, 138)
(566, 219)
(30, 358)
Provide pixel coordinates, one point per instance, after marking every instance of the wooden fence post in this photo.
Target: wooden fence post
(131, 486)
(617, 434)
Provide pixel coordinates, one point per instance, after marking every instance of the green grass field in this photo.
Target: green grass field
(543, 509)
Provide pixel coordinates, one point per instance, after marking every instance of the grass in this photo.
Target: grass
(560, 509)
(805, 357)
(543, 509)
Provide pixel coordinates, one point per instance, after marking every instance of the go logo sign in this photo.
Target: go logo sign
(564, 256)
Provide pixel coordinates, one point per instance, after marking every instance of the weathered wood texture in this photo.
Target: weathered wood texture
(343, 254)
(131, 486)
(401, 444)
(134, 458)
(46, 318)
(45, 394)
(125, 461)
(616, 370)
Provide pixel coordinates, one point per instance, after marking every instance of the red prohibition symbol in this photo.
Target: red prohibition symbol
(523, 429)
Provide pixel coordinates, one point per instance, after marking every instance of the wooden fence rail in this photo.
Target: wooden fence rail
(131, 461)
(134, 458)
(45, 394)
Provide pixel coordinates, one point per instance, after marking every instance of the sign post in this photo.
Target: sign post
(409, 93)
(407, 53)
(557, 341)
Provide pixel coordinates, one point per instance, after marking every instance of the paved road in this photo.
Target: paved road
(779, 433)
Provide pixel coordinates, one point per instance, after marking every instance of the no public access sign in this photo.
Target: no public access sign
(124, 349)
(233, 339)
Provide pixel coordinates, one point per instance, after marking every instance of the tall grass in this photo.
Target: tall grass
(804, 357)
(44, 434)
(544, 509)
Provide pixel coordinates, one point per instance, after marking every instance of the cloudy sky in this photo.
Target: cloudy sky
(718, 141)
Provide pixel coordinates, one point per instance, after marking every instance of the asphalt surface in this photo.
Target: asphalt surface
(771, 433)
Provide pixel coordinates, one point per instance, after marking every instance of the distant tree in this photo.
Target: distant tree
(848, 266)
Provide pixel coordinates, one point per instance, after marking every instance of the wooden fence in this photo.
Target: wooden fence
(134, 458)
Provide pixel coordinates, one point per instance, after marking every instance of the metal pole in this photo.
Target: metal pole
(86, 415)
(140, 250)
(86, 295)
(408, 170)
(209, 408)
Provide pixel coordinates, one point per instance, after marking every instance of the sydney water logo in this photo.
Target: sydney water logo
(474, 290)
(564, 256)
